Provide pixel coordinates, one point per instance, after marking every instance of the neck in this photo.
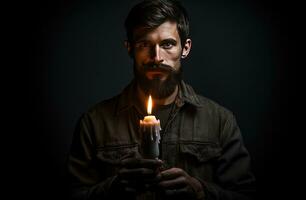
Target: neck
(164, 101)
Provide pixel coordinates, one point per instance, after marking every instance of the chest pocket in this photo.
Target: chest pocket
(108, 158)
(198, 158)
(202, 152)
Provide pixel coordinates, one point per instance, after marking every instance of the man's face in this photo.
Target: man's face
(157, 55)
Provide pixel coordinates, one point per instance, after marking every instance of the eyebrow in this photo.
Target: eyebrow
(170, 40)
(141, 40)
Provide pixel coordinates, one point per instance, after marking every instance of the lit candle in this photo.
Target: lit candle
(149, 130)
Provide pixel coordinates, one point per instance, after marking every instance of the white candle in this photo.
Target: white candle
(149, 130)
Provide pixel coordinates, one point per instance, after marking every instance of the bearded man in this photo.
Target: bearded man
(201, 151)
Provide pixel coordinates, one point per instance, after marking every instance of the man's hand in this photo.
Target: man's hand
(177, 184)
(137, 174)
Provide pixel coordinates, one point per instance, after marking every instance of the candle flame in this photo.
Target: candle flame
(149, 108)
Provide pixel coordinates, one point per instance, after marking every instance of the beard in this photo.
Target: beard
(156, 87)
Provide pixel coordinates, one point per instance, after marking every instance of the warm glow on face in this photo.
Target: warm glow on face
(149, 108)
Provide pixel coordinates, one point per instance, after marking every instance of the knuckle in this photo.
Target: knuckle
(179, 171)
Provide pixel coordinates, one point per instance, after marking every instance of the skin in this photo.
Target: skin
(137, 174)
(160, 45)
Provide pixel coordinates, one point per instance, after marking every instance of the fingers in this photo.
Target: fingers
(181, 191)
(174, 183)
(130, 190)
(135, 185)
(172, 178)
(171, 173)
(136, 173)
(141, 163)
(134, 168)
(178, 182)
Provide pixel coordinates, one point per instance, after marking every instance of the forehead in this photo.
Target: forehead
(166, 30)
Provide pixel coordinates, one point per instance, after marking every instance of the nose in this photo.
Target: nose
(156, 54)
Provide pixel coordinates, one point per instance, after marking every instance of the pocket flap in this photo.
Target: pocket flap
(201, 151)
(115, 154)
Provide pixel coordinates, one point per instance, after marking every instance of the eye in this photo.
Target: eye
(167, 45)
(142, 44)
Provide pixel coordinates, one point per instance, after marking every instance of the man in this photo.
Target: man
(202, 155)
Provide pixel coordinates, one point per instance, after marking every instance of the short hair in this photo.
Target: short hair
(152, 13)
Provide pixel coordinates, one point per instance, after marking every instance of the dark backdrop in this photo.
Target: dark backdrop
(74, 57)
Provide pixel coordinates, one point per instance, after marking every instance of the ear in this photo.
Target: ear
(186, 48)
(127, 45)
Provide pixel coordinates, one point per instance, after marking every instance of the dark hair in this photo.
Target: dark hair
(149, 14)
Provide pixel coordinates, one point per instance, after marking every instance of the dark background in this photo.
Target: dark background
(72, 56)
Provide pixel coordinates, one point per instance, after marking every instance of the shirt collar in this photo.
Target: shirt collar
(129, 97)
(186, 94)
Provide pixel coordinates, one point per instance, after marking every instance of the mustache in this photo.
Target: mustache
(158, 67)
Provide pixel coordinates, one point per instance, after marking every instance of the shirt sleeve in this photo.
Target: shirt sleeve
(234, 179)
(84, 179)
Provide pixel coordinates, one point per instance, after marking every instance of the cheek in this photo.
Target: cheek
(141, 57)
(174, 58)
